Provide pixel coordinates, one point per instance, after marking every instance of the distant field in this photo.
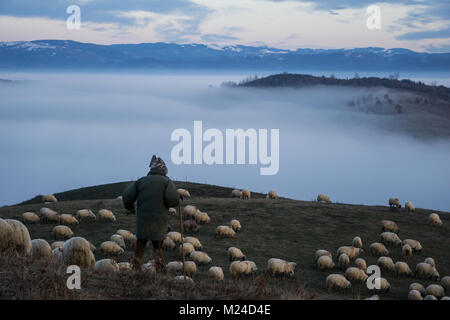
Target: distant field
(284, 228)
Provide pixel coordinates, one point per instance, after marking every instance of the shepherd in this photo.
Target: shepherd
(155, 194)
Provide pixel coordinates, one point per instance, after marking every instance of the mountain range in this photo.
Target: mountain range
(66, 54)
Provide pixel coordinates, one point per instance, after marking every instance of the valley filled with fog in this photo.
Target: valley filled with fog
(65, 131)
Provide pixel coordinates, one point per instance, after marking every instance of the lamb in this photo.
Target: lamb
(357, 242)
(200, 257)
(189, 211)
(194, 241)
(106, 266)
(351, 252)
(236, 225)
(49, 198)
(235, 254)
(172, 211)
(378, 249)
(394, 203)
(186, 249)
(77, 251)
(190, 226)
(409, 207)
(184, 194)
(21, 241)
(445, 282)
(272, 195)
(105, 215)
(62, 232)
(190, 268)
(343, 261)
(430, 261)
(175, 267)
(280, 266)
(169, 244)
(128, 237)
(202, 217)
(117, 238)
(426, 271)
(391, 226)
(355, 274)
(323, 198)
(216, 273)
(322, 252)
(236, 193)
(361, 264)
(125, 266)
(175, 236)
(390, 239)
(434, 219)
(85, 215)
(110, 247)
(414, 244)
(324, 263)
(246, 194)
(225, 231)
(402, 268)
(40, 249)
(48, 215)
(337, 282)
(435, 290)
(407, 251)
(414, 295)
(386, 263)
(30, 217)
(57, 244)
(417, 286)
(67, 219)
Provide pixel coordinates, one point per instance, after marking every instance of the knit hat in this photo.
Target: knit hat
(157, 165)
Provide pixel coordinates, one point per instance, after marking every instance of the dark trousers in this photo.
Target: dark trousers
(141, 244)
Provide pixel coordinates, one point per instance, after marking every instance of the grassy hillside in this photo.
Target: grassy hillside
(284, 228)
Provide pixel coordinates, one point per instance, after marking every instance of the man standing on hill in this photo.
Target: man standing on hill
(155, 194)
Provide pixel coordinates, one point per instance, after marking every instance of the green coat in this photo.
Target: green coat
(155, 194)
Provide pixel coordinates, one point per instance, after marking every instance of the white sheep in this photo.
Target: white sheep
(409, 207)
(235, 254)
(186, 249)
(430, 297)
(172, 211)
(77, 251)
(225, 231)
(407, 251)
(30, 217)
(105, 215)
(85, 215)
(117, 238)
(390, 239)
(189, 211)
(106, 266)
(415, 245)
(434, 219)
(57, 244)
(272, 195)
(48, 215)
(445, 298)
(426, 271)
(236, 225)
(21, 241)
(322, 252)
(238, 268)
(430, 261)
(337, 282)
(125, 266)
(343, 261)
(360, 263)
(355, 274)
(40, 249)
(435, 290)
(169, 244)
(236, 193)
(182, 279)
(184, 194)
(200, 257)
(417, 286)
(357, 242)
(280, 266)
(190, 268)
(378, 249)
(402, 268)
(62, 232)
(385, 286)
(215, 273)
(394, 203)
(414, 295)
(110, 247)
(250, 266)
(386, 263)
(202, 217)
(391, 226)
(323, 198)
(128, 236)
(194, 241)
(351, 251)
(324, 263)
(445, 282)
(175, 267)
(175, 236)
(246, 194)
(49, 198)
(68, 219)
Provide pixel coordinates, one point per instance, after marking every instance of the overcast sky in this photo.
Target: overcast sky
(421, 25)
